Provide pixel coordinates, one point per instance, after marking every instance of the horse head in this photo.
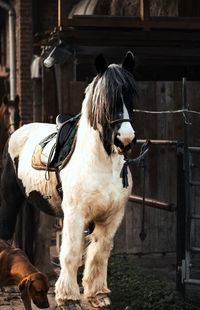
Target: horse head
(110, 107)
(9, 113)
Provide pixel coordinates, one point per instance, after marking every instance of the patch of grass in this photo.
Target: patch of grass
(132, 289)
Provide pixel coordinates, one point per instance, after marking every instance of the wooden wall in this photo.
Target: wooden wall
(160, 225)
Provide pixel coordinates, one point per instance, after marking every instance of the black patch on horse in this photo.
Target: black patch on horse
(10, 203)
(35, 198)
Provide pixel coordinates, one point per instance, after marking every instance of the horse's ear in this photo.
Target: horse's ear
(129, 62)
(5, 100)
(17, 100)
(100, 64)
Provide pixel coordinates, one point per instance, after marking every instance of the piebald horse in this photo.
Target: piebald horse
(91, 182)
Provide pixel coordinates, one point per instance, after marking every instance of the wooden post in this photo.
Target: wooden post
(144, 10)
(63, 11)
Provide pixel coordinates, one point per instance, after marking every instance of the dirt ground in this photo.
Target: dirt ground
(162, 266)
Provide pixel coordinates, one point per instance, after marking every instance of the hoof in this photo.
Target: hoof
(71, 305)
(99, 301)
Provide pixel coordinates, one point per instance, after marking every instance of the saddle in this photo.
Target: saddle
(54, 152)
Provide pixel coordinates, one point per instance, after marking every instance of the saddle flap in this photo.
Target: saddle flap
(48, 152)
(55, 150)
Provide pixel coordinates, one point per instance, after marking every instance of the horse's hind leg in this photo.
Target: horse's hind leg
(67, 289)
(95, 273)
(11, 199)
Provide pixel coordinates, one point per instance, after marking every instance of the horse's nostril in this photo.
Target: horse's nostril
(118, 143)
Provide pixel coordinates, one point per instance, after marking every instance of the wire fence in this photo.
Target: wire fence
(185, 113)
(167, 112)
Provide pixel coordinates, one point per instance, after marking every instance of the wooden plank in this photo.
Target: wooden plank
(49, 96)
(120, 245)
(158, 37)
(76, 96)
(189, 8)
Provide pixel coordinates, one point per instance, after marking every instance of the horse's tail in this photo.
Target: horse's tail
(11, 197)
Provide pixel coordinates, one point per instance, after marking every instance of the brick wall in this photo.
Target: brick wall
(31, 16)
(24, 48)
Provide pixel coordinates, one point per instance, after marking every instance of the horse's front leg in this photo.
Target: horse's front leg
(95, 273)
(67, 289)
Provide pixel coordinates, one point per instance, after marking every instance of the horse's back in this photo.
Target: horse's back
(30, 134)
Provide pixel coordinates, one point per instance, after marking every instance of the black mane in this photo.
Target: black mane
(105, 97)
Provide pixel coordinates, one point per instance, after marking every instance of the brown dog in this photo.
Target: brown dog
(16, 269)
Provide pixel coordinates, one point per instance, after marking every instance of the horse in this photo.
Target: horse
(9, 120)
(92, 186)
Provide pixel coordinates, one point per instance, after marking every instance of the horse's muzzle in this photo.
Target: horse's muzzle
(121, 149)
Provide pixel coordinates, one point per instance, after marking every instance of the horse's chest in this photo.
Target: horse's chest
(101, 197)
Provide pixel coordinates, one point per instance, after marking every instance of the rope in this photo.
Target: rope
(124, 172)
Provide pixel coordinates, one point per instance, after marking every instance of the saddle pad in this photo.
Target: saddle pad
(64, 147)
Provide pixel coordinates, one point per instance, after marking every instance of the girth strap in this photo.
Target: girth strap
(59, 184)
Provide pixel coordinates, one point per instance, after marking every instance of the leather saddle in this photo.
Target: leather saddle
(52, 153)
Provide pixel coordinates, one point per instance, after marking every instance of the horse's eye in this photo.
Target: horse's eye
(6, 112)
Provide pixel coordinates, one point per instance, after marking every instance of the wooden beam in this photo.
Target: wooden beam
(137, 37)
(153, 203)
(62, 13)
(144, 10)
(116, 22)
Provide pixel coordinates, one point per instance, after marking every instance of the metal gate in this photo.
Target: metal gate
(185, 214)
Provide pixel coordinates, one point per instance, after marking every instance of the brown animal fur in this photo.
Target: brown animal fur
(5, 121)
(16, 269)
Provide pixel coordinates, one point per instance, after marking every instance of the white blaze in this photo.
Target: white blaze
(126, 131)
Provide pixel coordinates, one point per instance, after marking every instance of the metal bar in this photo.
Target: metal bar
(153, 203)
(187, 174)
(186, 165)
(195, 217)
(195, 249)
(194, 149)
(12, 52)
(12, 47)
(192, 281)
(180, 221)
(194, 183)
